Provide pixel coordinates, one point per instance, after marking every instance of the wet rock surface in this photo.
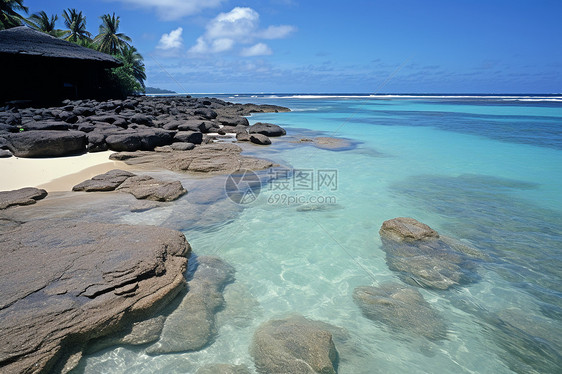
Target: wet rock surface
(402, 308)
(294, 345)
(423, 258)
(22, 196)
(267, 129)
(191, 326)
(63, 284)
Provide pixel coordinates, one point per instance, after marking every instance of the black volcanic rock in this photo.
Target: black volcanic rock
(46, 143)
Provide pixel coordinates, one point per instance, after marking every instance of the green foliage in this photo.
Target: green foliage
(122, 81)
(9, 16)
(41, 22)
(109, 40)
(76, 24)
(131, 57)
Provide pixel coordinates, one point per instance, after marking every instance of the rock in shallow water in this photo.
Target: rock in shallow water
(191, 326)
(423, 258)
(145, 187)
(63, 284)
(402, 308)
(223, 369)
(294, 345)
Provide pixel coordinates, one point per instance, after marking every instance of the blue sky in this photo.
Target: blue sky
(353, 46)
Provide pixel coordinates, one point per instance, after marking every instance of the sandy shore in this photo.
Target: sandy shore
(54, 174)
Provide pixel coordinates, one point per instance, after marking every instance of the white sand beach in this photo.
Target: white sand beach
(54, 174)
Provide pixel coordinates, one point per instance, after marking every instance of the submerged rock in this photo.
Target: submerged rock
(223, 369)
(423, 258)
(191, 326)
(401, 308)
(23, 196)
(294, 345)
(64, 283)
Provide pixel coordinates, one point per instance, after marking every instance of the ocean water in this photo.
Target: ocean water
(484, 170)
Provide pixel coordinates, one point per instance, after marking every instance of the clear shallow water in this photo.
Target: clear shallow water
(484, 171)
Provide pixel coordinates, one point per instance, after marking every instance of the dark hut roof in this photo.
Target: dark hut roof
(24, 41)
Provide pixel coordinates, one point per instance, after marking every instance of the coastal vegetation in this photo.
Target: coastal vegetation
(124, 80)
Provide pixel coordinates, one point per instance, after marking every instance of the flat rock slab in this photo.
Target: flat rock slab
(294, 345)
(425, 259)
(191, 326)
(211, 159)
(402, 308)
(60, 279)
(140, 186)
(23, 196)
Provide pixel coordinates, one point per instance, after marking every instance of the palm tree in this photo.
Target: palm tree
(41, 22)
(131, 57)
(9, 16)
(109, 40)
(76, 24)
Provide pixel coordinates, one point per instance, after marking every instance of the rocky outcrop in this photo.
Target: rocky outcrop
(64, 283)
(294, 345)
(23, 196)
(402, 308)
(142, 187)
(142, 123)
(44, 143)
(267, 129)
(423, 258)
(216, 158)
(191, 326)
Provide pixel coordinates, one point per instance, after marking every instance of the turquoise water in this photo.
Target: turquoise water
(486, 171)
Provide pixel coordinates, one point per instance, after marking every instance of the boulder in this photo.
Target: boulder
(233, 121)
(64, 283)
(129, 141)
(267, 129)
(45, 125)
(96, 142)
(182, 146)
(243, 137)
(5, 153)
(260, 139)
(294, 345)
(68, 117)
(46, 143)
(145, 187)
(191, 326)
(188, 137)
(141, 119)
(423, 258)
(23, 196)
(401, 308)
(104, 182)
(205, 113)
(195, 125)
(84, 111)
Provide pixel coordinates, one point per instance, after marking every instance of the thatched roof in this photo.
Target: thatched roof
(25, 41)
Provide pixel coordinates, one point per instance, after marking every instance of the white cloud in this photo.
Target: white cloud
(277, 32)
(174, 9)
(173, 40)
(259, 49)
(239, 26)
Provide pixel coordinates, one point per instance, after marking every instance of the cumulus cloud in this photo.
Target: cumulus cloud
(174, 9)
(259, 49)
(173, 40)
(239, 26)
